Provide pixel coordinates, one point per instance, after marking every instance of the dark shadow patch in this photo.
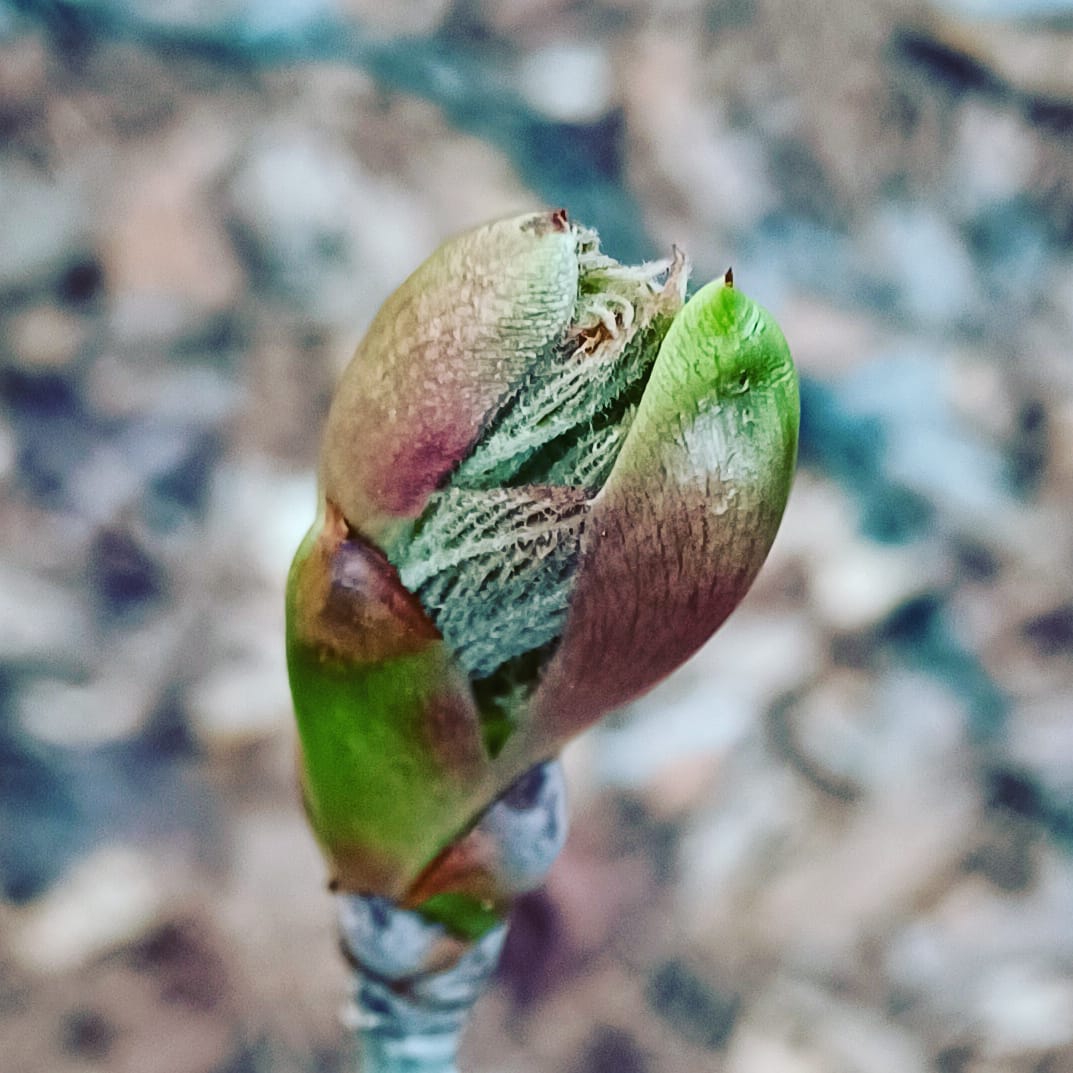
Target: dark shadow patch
(611, 1050)
(954, 70)
(1051, 633)
(87, 1034)
(691, 1007)
(125, 578)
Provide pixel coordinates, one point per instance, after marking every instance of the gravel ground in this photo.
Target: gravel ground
(841, 838)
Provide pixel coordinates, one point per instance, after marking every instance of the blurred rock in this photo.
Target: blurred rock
(45, 223)
(1031, 59)
(109, 899)
(136, 662)
(851, 735)
(856, 586)
(24, 71)
(249, 20)
(43, 624)
(165, 1003)
(259, 516)
(1040, 739)
(568, 82)
(773, 845)
(757, 1051)
(700, 1013)
(46, 339)
(799, 1028)
(915, 254)
(419, 17)
(317, 222)
(1006, 9)
(290, 374)
(165, 253)
(994, 158)
(244, 698)
(79, 714)
(8, 452)
(302, 1005)
(527, 19)
(927, 446)
(703, 177)
(828, 339)
(134, 89)
(708, 706)
(1025, 1008)
(981, 963)
(735, 842)
(613, 1050)
(151, 467)
(133, 384)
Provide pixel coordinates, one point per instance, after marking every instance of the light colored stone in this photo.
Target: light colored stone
(109, 898)
(320, 223)
(568, 81)
(1025, 1007)
(711, 703)
(857, 585)
(1032, 59)
(917, 251)
(168, 260)
(1006, 9)
(41, 622)
(44, 220)
(827, 338)
(755, 1051)
(24, 72)
(134, 384)
(860, 879)
(45, 338)
(853, 735)
(259, 515)
(929, 446)
(820, 521)
(852, 583)
(1039, 737)
(802, 1029)
(992, 966)
(994, 157)
(115, 698)
(8, 451)
(105, 709)
(701, 177)
(245, 698)
(759, 817)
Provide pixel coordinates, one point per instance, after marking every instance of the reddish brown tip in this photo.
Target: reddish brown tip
(728, 278)
(554, 222)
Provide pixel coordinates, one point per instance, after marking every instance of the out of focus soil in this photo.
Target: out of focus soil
(841, 838)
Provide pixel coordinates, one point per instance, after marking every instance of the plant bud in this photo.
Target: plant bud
(545, 483)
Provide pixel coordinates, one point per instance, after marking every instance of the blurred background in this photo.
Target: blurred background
(841, 838)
